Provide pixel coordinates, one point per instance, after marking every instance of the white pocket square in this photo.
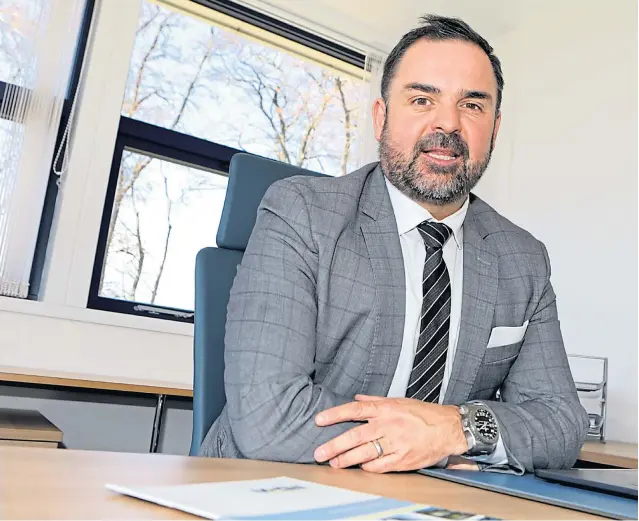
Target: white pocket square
(504, 336)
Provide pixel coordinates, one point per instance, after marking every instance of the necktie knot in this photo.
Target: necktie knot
(434, 234)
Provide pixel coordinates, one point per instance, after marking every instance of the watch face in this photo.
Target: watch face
(486, 425)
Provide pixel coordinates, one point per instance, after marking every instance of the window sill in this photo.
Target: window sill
(31, 307)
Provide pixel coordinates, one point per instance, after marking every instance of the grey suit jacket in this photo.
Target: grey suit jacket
(316, 315)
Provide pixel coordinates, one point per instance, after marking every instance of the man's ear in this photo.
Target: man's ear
(379, 117)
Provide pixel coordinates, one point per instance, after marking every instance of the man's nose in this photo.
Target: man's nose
(446, 119)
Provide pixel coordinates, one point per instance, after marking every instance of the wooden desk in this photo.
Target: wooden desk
(613, 453)
(69, 484)
(41, 378)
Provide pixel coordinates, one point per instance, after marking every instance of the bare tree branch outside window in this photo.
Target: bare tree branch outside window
(199, 79)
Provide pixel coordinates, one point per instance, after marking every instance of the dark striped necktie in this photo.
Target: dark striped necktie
(427, 374)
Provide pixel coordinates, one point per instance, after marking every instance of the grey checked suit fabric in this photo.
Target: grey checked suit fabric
(427, 374)
(316, 316)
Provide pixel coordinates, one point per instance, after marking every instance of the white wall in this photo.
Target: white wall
(107, 346)
(571, 175)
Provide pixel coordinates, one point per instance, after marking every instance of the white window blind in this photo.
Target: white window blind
(38, 40)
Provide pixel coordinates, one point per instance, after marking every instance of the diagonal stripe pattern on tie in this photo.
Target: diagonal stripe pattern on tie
(427, 374)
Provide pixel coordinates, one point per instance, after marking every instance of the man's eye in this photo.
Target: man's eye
(473, 106)
(421, 101)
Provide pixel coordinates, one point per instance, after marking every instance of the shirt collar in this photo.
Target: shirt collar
(409, 214)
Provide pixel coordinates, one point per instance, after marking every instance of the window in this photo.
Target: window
(15, 22)
(205, 83)
(169, 208)
(181, 194)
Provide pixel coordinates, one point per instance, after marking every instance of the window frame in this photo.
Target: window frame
(173, 145)
(156, 141)
(280, 28)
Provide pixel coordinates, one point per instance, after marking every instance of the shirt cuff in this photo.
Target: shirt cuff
(498, 457)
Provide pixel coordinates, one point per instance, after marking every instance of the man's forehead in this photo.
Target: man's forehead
(449, 65)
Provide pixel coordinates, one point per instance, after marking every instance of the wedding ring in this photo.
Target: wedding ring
(378, 448)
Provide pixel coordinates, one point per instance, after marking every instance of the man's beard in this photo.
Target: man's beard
(439, 184)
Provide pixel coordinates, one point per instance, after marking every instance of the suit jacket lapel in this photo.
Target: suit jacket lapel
(379, 230)
(478, 307)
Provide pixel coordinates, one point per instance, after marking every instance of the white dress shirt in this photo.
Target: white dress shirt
(408, 215)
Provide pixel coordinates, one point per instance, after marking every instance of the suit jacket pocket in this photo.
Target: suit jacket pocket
(501, 354)
(493, 371)
(505, 336)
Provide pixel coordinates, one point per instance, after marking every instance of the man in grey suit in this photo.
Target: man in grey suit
(389, 318)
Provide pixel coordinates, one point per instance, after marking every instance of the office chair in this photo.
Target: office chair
(215, 269)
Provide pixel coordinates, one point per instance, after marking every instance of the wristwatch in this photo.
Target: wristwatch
(480, 429)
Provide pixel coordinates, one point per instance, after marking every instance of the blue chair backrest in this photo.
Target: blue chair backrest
(215, 269)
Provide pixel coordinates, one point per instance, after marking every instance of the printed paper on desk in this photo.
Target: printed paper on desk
(283, 498)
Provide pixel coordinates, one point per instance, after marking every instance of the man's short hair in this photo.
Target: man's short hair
(439, 28)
